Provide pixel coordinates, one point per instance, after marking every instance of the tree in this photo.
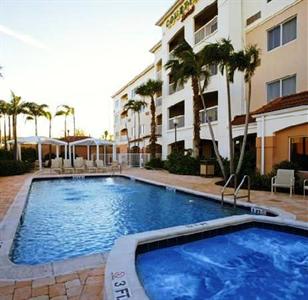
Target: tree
(221, 53)
(247, 61)
(3, 112)
(150, 89)
(136, 106)
(65, 110)
(188, 65)
(34, 112)
(80, 132)
(17, 107)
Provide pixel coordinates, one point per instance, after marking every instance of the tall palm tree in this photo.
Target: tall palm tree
(188, 65)
(221, 53)
(3, 112)
(150, 89)
(66, 110)
(247, 61)
(136, 106)
(17, 107)
(49, 117)
(35, 111)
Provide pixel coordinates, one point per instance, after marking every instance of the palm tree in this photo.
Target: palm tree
(3, 112)
(188, 65)
(136, 106)
(150, 89)
(65, 110)
(221, 53)
(247, 61)
(17, 107)
(106, 133)
(35, 111)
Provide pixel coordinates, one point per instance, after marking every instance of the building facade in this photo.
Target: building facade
(280, 30)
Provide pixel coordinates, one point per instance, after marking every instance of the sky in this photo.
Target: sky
(75, 52)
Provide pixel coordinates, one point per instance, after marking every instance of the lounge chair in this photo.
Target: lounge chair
(90, 166)
(100, 166)
(67, 166)
(79, 165)
(305, 187)
(283, 179)
(115, 166)
(56, 165)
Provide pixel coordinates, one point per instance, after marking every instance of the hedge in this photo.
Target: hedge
(14, 167)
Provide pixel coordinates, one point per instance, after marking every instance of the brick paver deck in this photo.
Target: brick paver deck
(88, 284)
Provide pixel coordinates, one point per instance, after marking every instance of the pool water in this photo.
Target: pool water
(71, 217)
(252, 263)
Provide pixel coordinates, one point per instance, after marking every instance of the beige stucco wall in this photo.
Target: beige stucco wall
(289, 59)
(276, 148)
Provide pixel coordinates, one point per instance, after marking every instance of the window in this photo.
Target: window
(282, 34)
(281, 87)
(299, 151)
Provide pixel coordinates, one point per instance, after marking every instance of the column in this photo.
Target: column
(57, 151)
(88, 152)
(40, 155)
(114, 152)
(97, 152)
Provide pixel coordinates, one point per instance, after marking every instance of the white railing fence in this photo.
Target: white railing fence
(212, 114)
(206, 30)
(180, 122)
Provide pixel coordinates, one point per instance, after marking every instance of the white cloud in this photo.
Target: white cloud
(26, 39)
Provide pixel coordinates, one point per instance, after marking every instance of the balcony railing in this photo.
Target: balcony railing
(209, 28)
(159, 101)
(180, 122)
(159, 129)
(173, 89)
(212, 114)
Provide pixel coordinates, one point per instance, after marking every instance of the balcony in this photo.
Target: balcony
(180, 122)
(158, 101)
(212, 114)
(173, 89)
(159, 129)
(205, 31)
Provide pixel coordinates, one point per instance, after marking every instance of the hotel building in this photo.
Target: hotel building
(278, 128)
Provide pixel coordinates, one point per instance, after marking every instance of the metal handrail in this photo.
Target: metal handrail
(225, 186)
(239, 187)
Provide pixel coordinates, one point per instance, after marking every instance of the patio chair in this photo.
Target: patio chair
(100, 166)
(283, 179)
(67, 166)
(56, 165)
(305, 187)
(116, 166)
(90, 166)
(79, 165)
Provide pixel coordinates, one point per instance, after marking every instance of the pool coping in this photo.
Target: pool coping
(121, 277)
(10, 222)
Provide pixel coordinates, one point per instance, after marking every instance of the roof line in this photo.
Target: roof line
(146, 70)
(168, 12)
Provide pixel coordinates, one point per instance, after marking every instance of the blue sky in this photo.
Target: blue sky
(77, 52)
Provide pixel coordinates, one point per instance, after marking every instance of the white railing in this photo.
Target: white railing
(173, 89)
(212, 114)
(206, 30)
(159, 101)
(180, 122)
(159, 129)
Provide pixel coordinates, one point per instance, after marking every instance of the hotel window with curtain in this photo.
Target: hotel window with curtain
(281, 87)
(282, 34)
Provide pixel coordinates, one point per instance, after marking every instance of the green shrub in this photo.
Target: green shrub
(14, 167)
(28, 154)
(180, 163)
(154, 163)
(6, 155)
(286, 165)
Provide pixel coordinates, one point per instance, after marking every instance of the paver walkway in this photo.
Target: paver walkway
(88, 284)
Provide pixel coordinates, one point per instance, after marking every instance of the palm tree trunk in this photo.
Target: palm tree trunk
(65, 127)
(10, 126)
(15, 136)
(35, 124)
(218, 157)
(153, 138)
(0, 131)
(196, 109)
(240, 162)
(4, 132)
(230, 125)
(138, 130)
(49, 155)
(74, 124)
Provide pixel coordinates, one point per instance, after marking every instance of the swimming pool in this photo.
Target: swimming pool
(251, 263)
(66, 218)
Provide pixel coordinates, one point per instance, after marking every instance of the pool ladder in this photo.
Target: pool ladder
(236, 189)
